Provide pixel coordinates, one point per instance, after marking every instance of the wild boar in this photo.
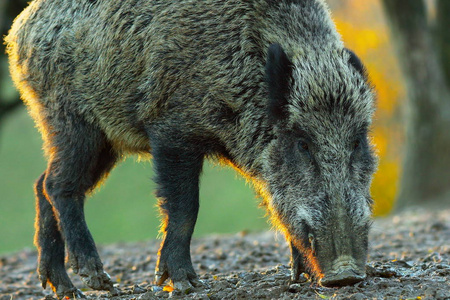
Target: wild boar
(266, 86)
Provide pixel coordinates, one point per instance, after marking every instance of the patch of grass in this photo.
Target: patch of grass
(124, 208)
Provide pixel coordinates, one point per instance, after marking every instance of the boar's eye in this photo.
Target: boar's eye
(356, 144)
(303, 146)
(304, 143)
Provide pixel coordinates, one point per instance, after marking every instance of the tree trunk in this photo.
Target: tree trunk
(442, 36)
(424, 57)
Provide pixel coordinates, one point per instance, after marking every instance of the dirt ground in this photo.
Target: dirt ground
(409, 259)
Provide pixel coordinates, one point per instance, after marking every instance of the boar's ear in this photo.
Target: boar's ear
(356, 62)
(278, 78)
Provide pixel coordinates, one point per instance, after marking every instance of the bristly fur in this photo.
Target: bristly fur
(264, 85)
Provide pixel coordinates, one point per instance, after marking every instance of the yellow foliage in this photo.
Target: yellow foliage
(362, 39)
(384, 187)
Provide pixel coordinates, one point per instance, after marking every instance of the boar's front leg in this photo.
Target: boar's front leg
(177, 170)
(297, 264)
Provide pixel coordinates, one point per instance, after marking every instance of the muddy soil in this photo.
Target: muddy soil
(409, 259)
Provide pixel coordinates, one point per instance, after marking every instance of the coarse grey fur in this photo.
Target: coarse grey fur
(184, 80)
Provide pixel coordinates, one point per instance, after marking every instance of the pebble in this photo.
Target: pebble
(157, 288)
(148, 296)
(295, 288)
(357, 296)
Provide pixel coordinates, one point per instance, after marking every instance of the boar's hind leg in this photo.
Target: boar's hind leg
(177, 176)
(50, 245)
(80, 156)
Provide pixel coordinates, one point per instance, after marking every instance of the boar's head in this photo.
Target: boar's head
(319, 165)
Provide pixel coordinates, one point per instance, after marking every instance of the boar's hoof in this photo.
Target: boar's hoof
(99, 281)
(186, 286)
(299, 277)
(345, 277)
(70, 294)
(90, 269)
(183, 285)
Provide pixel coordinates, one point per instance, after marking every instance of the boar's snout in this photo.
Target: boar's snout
(344, 272)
